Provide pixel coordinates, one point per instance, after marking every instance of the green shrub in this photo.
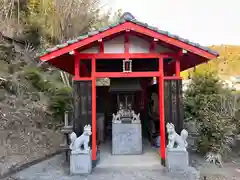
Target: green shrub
(60, 98)
(203, 102)
(61, 101)
(37, 80)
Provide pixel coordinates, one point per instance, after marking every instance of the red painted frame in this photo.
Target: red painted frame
(132, 56)
(161, 111)
(94, 111)
(159, 74)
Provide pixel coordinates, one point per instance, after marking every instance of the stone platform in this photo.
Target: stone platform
(177, 159)
(126, 138)
(81, 163)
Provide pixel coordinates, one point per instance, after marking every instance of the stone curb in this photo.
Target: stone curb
(28, 164)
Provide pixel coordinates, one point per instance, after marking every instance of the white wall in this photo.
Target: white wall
(136, 45)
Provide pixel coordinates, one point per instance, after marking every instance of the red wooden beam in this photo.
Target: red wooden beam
(101, 46)
(83, 79)
(126, 75)
(84, 70)
(171, 78)
(110, 56)
(126, 43)
(153, 45)
(94, 116)
(161, 112)
(177, 66)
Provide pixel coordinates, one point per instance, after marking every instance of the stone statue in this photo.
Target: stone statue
(136, 117)
(121, 109)
(83, 140)
(173, 137)
(116, 117)
(214, 158)
(127, 113)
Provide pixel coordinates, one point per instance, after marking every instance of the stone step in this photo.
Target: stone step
(127, 168)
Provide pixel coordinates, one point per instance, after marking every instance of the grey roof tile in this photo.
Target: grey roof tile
(92, 33)
(82, 37)
(127, 16)
(59, 46)
(152, 28)
(186, 41)
(104, 29)
(204, 48)
(140, 23)
(171, 35)
(71, 41)
(176, 37)
(51, 49)
(162, 32)
(121, 21)
(191, 43)
(114, 25)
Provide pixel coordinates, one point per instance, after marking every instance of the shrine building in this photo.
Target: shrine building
(128, 66)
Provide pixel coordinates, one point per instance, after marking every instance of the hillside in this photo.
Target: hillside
(28, 130)
(226, 65)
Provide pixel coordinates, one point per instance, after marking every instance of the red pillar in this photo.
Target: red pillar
(161, 112)
(177, 66)
(94, 118)
(76, 65)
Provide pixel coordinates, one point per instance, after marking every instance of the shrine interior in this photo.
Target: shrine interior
(141, 94)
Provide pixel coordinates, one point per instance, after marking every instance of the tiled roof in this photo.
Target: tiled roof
(128, 17)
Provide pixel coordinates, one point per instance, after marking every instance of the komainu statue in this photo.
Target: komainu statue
(174, 139)
(83, 140)
(125, 113)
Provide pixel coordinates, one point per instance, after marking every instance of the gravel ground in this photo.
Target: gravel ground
(56, 169)
(229, 171)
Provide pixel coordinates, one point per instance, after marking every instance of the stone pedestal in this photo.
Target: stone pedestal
(126, 138)
(177, 159)
(80, 163)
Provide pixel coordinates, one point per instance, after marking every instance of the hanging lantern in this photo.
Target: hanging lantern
(127, 65)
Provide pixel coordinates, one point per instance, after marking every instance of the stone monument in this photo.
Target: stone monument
(126, 131)
(81, 154)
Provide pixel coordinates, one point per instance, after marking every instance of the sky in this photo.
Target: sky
(208, 22)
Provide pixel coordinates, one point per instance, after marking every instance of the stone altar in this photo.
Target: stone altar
(81, 154)
(126, 132)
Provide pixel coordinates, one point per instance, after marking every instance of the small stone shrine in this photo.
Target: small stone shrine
(126, 131)
(81, 154)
